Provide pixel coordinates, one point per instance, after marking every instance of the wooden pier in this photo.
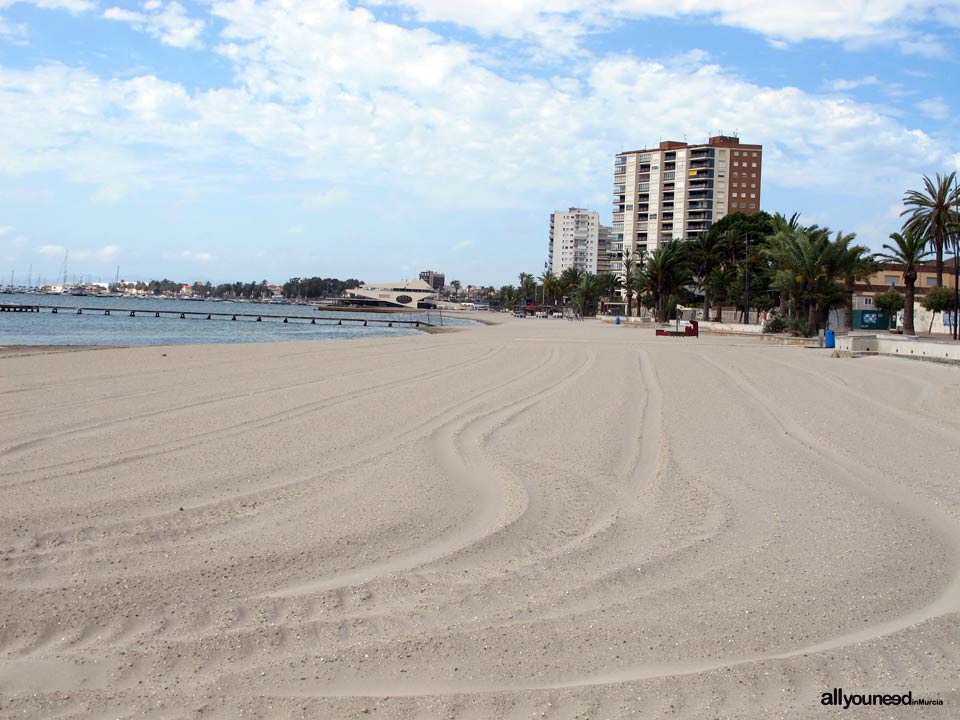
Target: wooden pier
(184, 314)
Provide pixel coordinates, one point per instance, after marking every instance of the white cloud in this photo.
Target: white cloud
(200, 256)
(52, 250)
(74, 6)
(842, 85)
(935, 107)
(328, 198)
(295, 229)
(329, 97)
(779, 20)
(462, 245)
(104, 254)
(6, 230)
(13, 33)
(168, 22)
(108, 252)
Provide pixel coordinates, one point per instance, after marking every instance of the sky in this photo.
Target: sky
(238, 139)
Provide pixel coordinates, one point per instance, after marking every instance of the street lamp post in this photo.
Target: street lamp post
(746, 280)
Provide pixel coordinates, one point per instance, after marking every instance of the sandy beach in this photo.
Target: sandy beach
(535, 519)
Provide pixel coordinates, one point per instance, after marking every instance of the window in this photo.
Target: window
(931, 282)
(753, 196)
(891, 279)
(736, 164)
(733, 194)
(754, 164)
(736, 152)
(723, 163)
(753, 206)
(751, 175)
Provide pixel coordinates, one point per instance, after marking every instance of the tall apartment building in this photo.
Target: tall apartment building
(677, 191)
(433, 279)
(575, 240)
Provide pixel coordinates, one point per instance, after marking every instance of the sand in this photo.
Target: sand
(537, 519)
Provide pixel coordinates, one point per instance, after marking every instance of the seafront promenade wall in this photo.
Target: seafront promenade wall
(903, 346)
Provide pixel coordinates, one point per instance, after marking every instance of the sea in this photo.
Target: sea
(95, 327)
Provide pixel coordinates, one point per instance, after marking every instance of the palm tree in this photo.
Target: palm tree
(455, 284)
(549, 283)
(528, 286)
(585, 295)
(808, 266)
(628, 266)
(856, 265)
(705, 253)
(664, 274)
(932, 214)
(910, 251)
(607, 284)
(569, 279)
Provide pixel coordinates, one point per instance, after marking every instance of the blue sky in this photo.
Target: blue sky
(234, 139)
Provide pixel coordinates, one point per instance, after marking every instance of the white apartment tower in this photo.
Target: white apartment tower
(678, 191)
(574, 240)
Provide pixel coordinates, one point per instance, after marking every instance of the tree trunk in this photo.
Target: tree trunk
(812, 319)
(908, 307)
(848, 310)
(706, 305)
(939, 249)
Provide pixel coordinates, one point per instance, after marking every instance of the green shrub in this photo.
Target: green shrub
(775, 324)
(799, 327)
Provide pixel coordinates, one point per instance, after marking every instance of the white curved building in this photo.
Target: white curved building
(396, 294)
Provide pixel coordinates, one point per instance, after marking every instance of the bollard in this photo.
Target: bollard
(106, 312)
(54, 311)
(156, 315)
(208, 317)
(79, 311)
(183, 316)
(259, 319)
(364, 323)
(389, 324)
(285, 321)
(313, 321)
(234, 317)
(339, 322)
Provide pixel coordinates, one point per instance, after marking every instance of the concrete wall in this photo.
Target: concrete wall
(910, 347)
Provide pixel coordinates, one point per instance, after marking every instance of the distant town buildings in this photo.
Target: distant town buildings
(576, 237)
(433, 279)
(677, 191)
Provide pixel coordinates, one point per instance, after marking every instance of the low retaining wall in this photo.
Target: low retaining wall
(727, 328)
(902, 346)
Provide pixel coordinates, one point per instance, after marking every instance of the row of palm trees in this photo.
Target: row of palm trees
(803, 270)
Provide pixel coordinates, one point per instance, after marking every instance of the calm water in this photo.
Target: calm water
(95, 328)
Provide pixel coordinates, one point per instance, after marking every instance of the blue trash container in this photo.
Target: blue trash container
(828, 339)
(617, 321)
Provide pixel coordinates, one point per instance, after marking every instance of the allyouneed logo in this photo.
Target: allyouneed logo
(840, 699)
